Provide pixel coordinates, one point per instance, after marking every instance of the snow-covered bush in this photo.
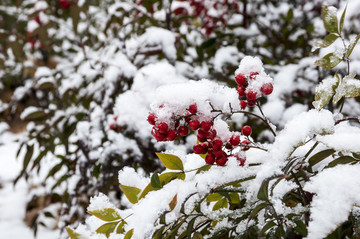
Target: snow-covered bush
(303, 183)
(87, 71)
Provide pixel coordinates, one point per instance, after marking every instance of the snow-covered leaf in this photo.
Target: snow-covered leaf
(72, 234)
(318, 157)
(173, 202)
(349, 87)
(325, 91)
(129, 234)
(352, 46)
(106, 214)
(328, 14)
(342, 19)
(329, 61)
(328, 40)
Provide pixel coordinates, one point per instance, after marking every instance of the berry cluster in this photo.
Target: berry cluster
(210, 144)
(114, 126)
(249, 94)
(64, 4)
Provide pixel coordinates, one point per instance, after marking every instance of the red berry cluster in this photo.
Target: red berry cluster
(114, 126)
(249, 96)
(216, 150)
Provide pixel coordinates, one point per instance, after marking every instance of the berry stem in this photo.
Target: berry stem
(265, 119)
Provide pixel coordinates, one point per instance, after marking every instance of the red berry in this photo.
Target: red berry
(183, 130)
(202, 133)
(241, 91)
(115, 118)
(251, 95)
(194, 124)
(112, 126)
(193, 108)
(245, 142)
(209, 159)
(217, 145)
(241, 160)
(240, 79)
(201, 139)
(157, 135)
(211, 134)
(246, 130)
(267, 88)
(151, 118)
(200, 148)
(64, 4)
(218, 154)
(222, 161)
(171, 135)
(162, 127)
(253, 75)
(234, 140)
(242, 104)
(205, 125)
(251, 103)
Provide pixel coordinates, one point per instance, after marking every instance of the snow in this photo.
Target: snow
(13, 198)
(337, 189)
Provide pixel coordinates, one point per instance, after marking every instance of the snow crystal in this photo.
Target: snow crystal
(337, 189)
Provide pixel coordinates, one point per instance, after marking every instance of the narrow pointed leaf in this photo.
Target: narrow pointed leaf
(190, 227)
(106, 214)
(120, 228)
(173, 202)
(352, 46)
(203, 168)
(318, 157)
(342, 19)
(171, 161)
(342, 160)
(223, 203)
(131, 193)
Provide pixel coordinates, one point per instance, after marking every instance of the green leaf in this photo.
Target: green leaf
(171, 161)
(267, 226)
(325, 91)
(234, 198)
(55, 169)
(159, 233)
(329, 61)
(352, 46)
(203, 168)
(72, 234)
(155, 181)
(173, 202)
(190, 227)
(120, 228)
(257, 209)
(223, 203)
(164, 179)
(107, 228)
(131, 193)
(213, 197)
(197, 235)
(318, 157)
(341, 160)
(75, 15)
(342, 19)
(28, 155)
(263, 193)
(328, 40)
(328, 15)
(106, 214)
(129, 234)
(301, 228)
(36, 115)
